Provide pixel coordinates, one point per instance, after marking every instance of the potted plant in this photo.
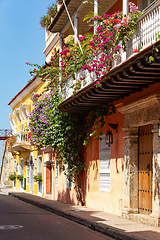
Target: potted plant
(38, 177)
(46, 19)
(20, 177)
(12, 177)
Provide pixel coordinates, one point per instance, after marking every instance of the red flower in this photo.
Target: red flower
(116, 20)
(135, 50)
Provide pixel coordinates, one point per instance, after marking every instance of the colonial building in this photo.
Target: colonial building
(27, 160)
(121, 178)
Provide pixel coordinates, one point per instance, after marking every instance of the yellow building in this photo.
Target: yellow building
(27, 160)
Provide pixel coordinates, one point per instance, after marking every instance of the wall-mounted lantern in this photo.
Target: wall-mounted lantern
(109, 138)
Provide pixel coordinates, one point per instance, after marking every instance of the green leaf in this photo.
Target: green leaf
(151, 59)
(89, 15)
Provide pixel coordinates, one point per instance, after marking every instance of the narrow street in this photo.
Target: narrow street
(22, 221)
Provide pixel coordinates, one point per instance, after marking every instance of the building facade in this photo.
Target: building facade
(27, 159)
(122, 177)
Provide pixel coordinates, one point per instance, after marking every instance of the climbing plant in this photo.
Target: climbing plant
(66, 132)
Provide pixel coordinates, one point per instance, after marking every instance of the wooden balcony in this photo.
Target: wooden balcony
(148, 26)
(22, 142)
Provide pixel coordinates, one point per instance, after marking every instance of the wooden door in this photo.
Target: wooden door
(145, 169)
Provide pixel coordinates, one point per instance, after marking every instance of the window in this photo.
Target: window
(40, 172)
(144, 4)
(35, 166)
(21, 166)
(15, 165)
(56, 172)
(104, 165)
(27, 174)
(39, 164)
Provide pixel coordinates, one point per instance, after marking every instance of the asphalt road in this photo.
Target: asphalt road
(22, 221)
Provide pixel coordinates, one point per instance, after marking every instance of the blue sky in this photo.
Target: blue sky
(22, 40)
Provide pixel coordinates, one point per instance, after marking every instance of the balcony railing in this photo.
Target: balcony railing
(22, 141)
(148, 26)
(22, 136)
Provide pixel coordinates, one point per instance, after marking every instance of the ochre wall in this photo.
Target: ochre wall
(107, 201)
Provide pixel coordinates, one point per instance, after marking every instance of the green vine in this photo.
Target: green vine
(66, 133)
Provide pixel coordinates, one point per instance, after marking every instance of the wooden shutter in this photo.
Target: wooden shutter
(104, 165)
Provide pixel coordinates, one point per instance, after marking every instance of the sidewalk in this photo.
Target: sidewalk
(109, 224)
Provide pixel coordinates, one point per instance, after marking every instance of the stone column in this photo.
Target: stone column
(156, 175)
(130, 204)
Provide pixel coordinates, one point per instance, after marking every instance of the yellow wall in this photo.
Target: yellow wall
(26, 154)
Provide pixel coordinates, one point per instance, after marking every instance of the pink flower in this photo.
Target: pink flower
(99, 28)
(110, 34)
(106, 21)
(27, 63)
(96, 83)
(117, 26)
(64, 52)
(91, 43)
(117, 47)
(82, 38)
(133, 8)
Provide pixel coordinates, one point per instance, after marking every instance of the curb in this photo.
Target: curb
(109, 231)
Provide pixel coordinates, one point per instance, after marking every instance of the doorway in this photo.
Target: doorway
(145, 171)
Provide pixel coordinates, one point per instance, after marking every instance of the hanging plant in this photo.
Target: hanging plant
(12, 177)
(20, 177)
(38, 177)
(46, 19)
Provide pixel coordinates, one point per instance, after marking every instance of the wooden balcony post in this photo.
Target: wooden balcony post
(125, 6)
(76, 34)
(95, 13)
(125, 11)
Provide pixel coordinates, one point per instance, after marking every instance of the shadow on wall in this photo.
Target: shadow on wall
(66, 196)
